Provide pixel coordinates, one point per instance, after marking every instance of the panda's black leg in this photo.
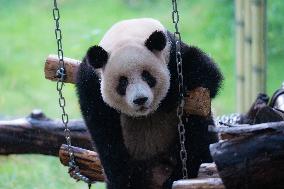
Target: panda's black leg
(103, 123)
(141, 175)
(113, 156)
(198, 139)
(176, 175)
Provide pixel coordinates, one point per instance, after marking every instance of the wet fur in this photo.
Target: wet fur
(114, 137)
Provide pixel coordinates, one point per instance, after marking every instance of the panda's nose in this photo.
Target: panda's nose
(140, 101)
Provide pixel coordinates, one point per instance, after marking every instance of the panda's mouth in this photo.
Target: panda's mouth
(142, 109)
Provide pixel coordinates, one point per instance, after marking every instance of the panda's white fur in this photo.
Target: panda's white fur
(128, 56)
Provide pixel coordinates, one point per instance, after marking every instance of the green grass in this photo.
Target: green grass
(35, 172)
(27, 37)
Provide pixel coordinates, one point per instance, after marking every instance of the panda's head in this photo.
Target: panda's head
(134, 77)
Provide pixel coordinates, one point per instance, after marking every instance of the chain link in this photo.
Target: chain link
(181, 128)
(74, 170)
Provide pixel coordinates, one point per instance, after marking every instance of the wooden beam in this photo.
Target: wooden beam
(90, 165)
(204, 183)
(197, 101)
(240, 62)
(251, 161)
(88, 162)
(37, 134)
(247, 130)
(258, 11)
(208, 170)
(247, 53)
(52, 64)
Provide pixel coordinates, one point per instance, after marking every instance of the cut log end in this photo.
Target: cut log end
(52, 65)
(88, 162)
(205, 183)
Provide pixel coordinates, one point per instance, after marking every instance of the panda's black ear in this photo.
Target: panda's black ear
(96, 56)
(156, 41)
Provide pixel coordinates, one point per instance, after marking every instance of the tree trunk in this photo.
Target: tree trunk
(37, 134)
(253, 157)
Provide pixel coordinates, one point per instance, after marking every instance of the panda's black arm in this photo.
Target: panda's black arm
(197, 144)
(104, 126)
(200, 70)
(198, 140)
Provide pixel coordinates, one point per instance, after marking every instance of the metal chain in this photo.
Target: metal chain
(181, 128)
(74, 170)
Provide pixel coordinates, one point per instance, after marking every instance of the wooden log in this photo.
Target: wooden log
(260, 102)
(254, 161)
(52, 64)
(37, 134)
(258, 12)
(205, 183)
(208, 170)
(240, 64)
(88, 162)
(197, 101)
(247, 53)
(247, 130)
(90, 166)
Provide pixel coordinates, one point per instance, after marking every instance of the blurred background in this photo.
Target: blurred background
(27, 37)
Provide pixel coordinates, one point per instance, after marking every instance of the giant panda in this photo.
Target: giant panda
(128, 94)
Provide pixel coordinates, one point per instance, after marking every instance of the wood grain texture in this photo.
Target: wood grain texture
(253, 161)
(205, 183)
(52, 64)
(247, 130)
(198, 102)
(208, 170)
(40, 135)
(88, 162)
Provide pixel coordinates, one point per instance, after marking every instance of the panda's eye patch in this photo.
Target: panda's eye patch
(146, 76)
(122, 85)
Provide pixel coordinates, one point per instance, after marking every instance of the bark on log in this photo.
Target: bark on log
(197, 101)
(37, 134)
(247, 130)
(88, 162)
(52, 64)
(253, 161)
(205, 183)
(208, 170)
(90, 166)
